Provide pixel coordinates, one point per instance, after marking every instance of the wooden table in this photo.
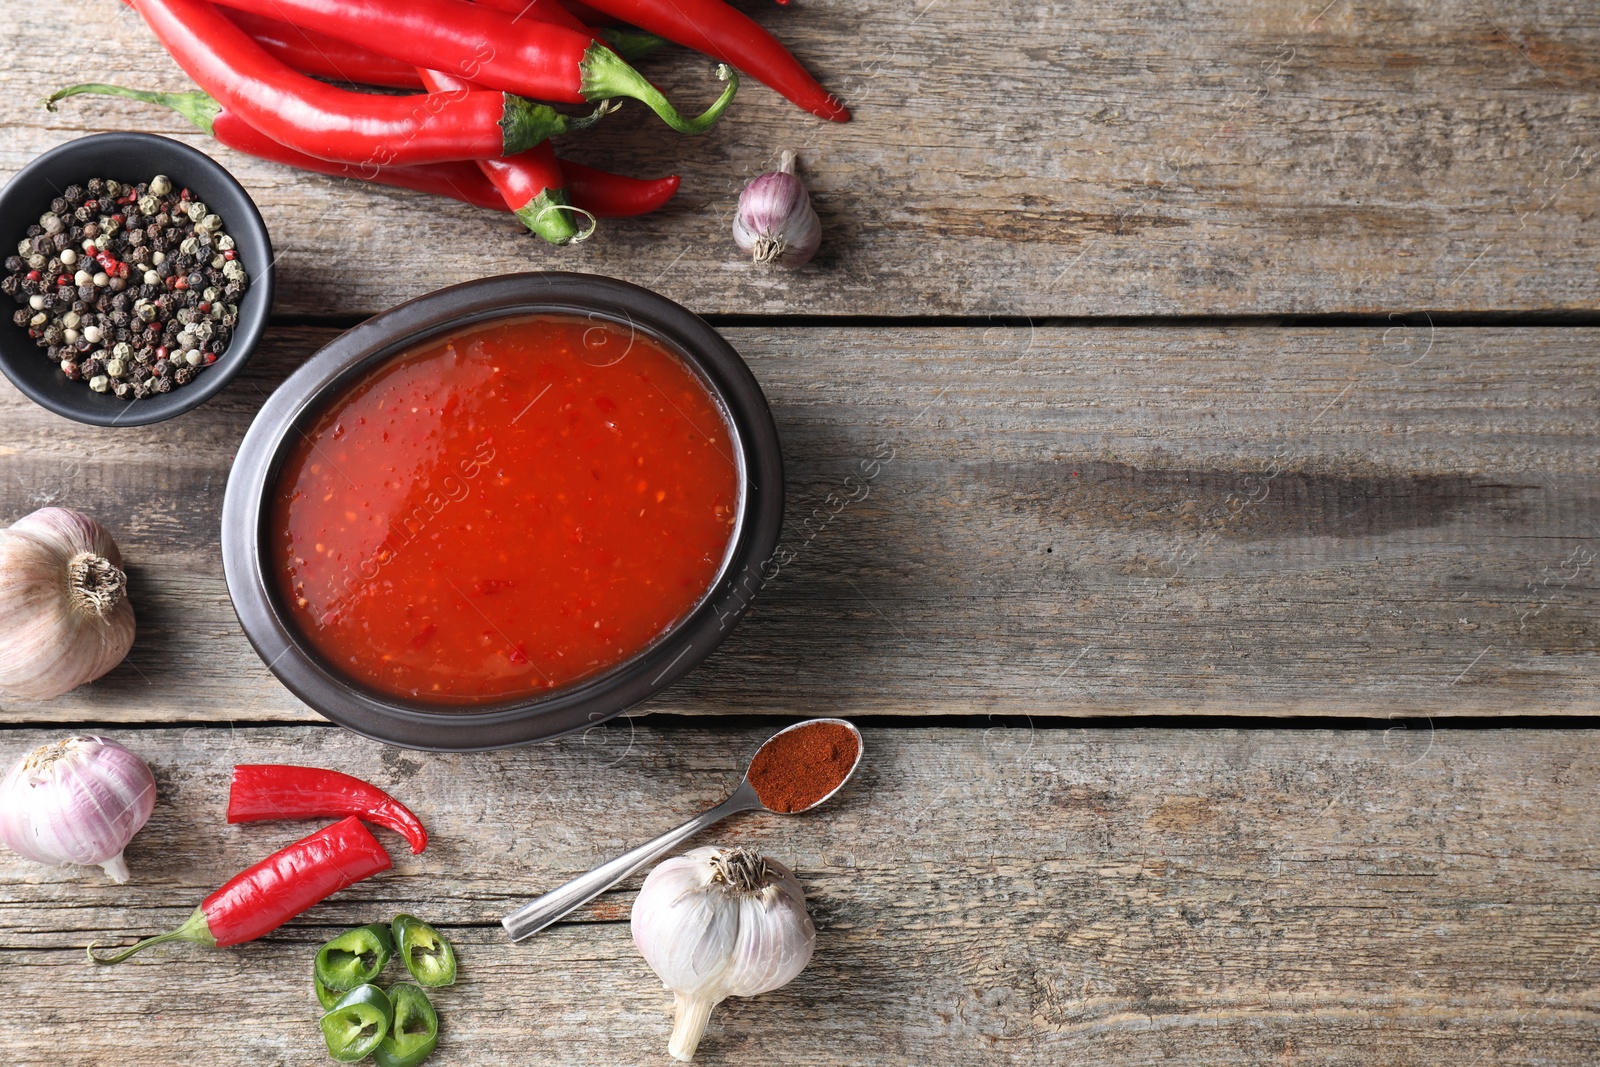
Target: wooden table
(1223, 619)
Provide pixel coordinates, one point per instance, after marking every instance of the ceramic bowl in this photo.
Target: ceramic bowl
(330, 373)
(132, 158)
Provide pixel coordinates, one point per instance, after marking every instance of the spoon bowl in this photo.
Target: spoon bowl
(537, 914)
(772, 741)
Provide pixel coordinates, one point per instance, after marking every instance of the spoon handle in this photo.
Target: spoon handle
(537, 914)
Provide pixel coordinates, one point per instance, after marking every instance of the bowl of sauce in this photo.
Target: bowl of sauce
(503, 511)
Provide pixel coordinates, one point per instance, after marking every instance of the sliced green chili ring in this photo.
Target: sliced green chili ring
(357, 1024)
(354, 958)
(427, 955)
(415, 1030)
(325, 996)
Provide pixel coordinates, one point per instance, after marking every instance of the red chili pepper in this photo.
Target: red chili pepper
(587, 14)
(712, 27)
(614, 196)
(629, 44)
(336, 124)
(535, 59)
(530, 182)
(264, 897)
(322, 56)
(459, 180)
(543, 10)
(278, 791)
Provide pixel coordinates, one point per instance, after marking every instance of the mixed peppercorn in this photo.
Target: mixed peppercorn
(133, 289)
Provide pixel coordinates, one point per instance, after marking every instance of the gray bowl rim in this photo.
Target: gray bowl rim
(346, 360)
(88, 157)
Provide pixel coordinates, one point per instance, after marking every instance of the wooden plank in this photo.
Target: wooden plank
(1061, 522)
(1015, 157)
(1004, 896)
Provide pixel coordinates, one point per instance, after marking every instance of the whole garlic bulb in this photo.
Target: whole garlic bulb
(720, 923)
(775, 222)
(80, 800)
(64, 612)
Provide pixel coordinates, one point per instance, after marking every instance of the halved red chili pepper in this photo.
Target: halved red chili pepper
(721, 32)
(262, 898)
(263, 791)
(614, 196)
(322, 56)
(337, 124)
(459, 180)
(530, 182)
(536, 59)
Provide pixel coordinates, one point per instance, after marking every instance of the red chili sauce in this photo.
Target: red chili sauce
(519, 507)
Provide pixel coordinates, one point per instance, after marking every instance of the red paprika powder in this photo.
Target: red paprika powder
(799, 767)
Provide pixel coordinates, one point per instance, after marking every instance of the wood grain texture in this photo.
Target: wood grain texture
(1004, 896)
(1057, 158)
(1050, 522)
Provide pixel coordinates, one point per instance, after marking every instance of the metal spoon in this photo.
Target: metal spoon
(536, 915)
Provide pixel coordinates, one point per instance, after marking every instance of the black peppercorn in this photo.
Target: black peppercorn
(22, 316)
(162, 385)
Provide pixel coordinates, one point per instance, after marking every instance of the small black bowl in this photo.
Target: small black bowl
(347, 360)
(132, 158)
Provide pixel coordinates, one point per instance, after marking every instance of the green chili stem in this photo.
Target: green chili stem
(553, 226)
(524, 123)
(194, 929)
(631, 44)
(197, 107)
(605, 74)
